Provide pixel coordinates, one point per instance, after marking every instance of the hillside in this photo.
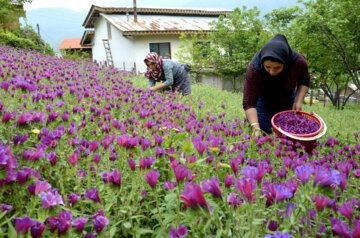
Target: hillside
(57, 24)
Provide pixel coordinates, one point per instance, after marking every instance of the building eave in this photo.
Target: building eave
(95, 11)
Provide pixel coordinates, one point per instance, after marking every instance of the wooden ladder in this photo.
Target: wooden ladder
(109, 57)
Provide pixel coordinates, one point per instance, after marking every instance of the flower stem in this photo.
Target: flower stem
(159, 210)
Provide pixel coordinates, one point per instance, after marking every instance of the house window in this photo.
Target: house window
(162, 49)
(108, 25)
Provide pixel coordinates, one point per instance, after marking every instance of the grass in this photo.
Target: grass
(342, 124)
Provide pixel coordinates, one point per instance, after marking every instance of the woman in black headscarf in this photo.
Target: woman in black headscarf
(277, 79)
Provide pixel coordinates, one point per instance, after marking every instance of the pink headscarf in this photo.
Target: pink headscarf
(155, 59)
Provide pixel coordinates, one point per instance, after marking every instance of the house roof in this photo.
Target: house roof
(204, 12)
(87, 37)
(158, 26)
(73, 43)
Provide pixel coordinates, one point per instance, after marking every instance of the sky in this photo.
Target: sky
(75, 5)
(84, 5)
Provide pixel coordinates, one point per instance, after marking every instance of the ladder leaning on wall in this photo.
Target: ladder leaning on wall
(109, 57)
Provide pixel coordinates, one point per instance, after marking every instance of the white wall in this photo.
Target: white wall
(127, 50)
(98, 51)
(142, 47)
(122, 49)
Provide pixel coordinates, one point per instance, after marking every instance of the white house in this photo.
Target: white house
(122, 36)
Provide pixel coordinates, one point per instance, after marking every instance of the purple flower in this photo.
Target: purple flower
(23, 118)
(4, 207)
(115, 177)
(97, 158)
(92, 194)
(23, 224)
(93, 145)
(99, 223)
(229, 180)
(346, 210)
(52, 116)
(73, 159)
(304, 172)
(182, 231)
(7, 117)
(181, 172)
(37, 229)
(200, 145)
(212, 186)
(281, 192)
(340, 227)
(132, 164)
(51, 199)
(234, 199)
(90, 235)
(40, 186)
(246, 186)
(73, 197)
(158, 139)
(279, 235)
(173, 233)
(152, 177)
(273, 225)
(145, 163)
(321, 201)
(253, 172)
(169, 185)
(192, 195)
(234, 163)
(327, 177)
(79, 223)
(51, 157)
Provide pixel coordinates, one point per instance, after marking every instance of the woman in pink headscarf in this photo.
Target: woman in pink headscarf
(169, 73)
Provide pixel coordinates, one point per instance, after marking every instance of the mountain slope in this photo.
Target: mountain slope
(56, 24)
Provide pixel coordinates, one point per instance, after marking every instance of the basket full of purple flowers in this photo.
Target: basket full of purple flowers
(302, 127)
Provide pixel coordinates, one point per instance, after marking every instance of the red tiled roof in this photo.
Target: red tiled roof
(73, 43)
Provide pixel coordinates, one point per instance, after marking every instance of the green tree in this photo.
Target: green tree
(327, 32)
(9, 12)
(235, 39)
(194, 51)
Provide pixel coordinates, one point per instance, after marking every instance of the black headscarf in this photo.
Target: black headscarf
(278, 48)
(272, 91)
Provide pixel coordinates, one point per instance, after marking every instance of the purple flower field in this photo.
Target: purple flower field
(83, 153)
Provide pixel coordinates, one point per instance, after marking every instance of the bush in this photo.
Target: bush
(75, 54)
(25, 38)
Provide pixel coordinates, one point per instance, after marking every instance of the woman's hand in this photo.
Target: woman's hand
(256, 133)
(297, 106)
(157, 87)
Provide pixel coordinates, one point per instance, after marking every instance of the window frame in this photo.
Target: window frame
(158, 47)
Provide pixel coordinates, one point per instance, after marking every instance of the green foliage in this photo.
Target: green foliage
(235, 39)
(10, 12)
(229, 48)
(327, 33)
(279, 20)
(75, 54)
(195, 51)
(25, 38)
